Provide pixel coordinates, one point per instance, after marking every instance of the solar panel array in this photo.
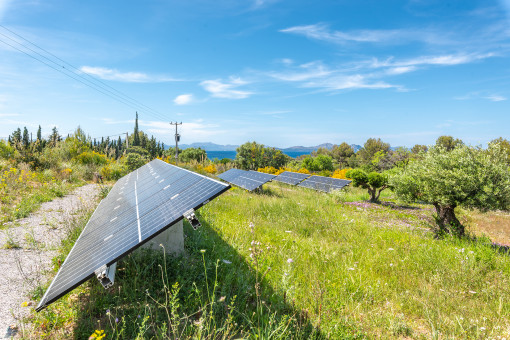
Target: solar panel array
(326, 184)
(141, 205)
(249, 180)
(290, 177)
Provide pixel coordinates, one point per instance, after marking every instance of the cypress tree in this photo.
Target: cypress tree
(136, 137)
(26, 138)
(39, 135)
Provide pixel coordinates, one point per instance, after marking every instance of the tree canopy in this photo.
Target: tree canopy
(463, 176)
(374, 182)
(252, 156)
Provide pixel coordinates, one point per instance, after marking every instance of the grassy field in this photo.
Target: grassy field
(293, 263)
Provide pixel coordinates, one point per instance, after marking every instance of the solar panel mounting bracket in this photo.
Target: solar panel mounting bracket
(192, 219)
(106, 275)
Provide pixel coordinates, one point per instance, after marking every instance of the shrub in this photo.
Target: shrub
(319, 163)
(91, 157)
(268, 170)
(371, 181)
(340, 173)
(134, 160)
(113, 171)
(211, 169)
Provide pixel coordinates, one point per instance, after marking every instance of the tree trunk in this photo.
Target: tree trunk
(372, 193)
(447, 221)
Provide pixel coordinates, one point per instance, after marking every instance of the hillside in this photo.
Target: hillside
(300, 264)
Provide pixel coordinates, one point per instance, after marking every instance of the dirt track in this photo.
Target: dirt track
(26, 249)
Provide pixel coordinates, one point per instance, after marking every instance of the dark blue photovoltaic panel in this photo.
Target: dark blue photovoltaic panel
(249, 180)
(261, 175)
(325, 184)
(289, 177)
(231, 174)
(140, 205)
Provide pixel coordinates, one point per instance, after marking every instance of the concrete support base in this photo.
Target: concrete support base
(172, 240)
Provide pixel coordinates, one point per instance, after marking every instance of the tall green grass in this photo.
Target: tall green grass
(293, 263)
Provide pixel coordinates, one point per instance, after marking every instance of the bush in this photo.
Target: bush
(211, 169)
(137, 150)
(193, 154)
(268, 170)
(113, 171)
(340, 173)
(371, 181)
(319, 163)
(133, 161)
(91, 157)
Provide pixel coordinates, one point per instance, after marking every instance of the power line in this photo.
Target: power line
(77, 74)
(80, 71)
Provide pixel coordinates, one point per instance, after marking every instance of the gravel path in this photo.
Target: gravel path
(37, 237)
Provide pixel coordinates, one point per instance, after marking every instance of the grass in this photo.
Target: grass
(23, 191)
(293, 263)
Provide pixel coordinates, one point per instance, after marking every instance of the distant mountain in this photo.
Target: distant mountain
(356, 147)
(208, 146)
(308, 149)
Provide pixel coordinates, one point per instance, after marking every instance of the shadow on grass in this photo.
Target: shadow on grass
(210, 292)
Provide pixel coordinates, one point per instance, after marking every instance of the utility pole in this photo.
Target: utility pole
(177, 139)
(127, 141)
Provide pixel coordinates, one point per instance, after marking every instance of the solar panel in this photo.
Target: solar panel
(262, 175)
(249, 180)
(290, 177)
(140, 206)
(325, 184)
(230, 174)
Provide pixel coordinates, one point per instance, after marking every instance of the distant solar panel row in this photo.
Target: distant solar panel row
(141, 205)
(290, 177)
(326, 184)
(249, 180)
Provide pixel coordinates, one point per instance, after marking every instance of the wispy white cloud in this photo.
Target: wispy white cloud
(496, 98)
(393, 36)
(221, 89)
(304, 72)
(128, 77)
(493, 97)
(437, 60)
(183, 99)
(317, 75)
(356, 81)
(9, 115)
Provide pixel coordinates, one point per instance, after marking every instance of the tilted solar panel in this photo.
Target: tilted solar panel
(231, 174)
(249, 180)
(261, 175)
(290, 177)
(325, 184)
(140, 206)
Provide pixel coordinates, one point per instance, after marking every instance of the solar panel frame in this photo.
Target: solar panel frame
(174, 210)
(292, 178)
(325, 184)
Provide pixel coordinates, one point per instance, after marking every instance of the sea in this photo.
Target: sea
(232, 154)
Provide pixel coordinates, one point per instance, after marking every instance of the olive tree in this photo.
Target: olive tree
(374, 182)
(463, 176)
(252, 156)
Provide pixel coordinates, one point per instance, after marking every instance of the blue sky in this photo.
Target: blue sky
(281, 73)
